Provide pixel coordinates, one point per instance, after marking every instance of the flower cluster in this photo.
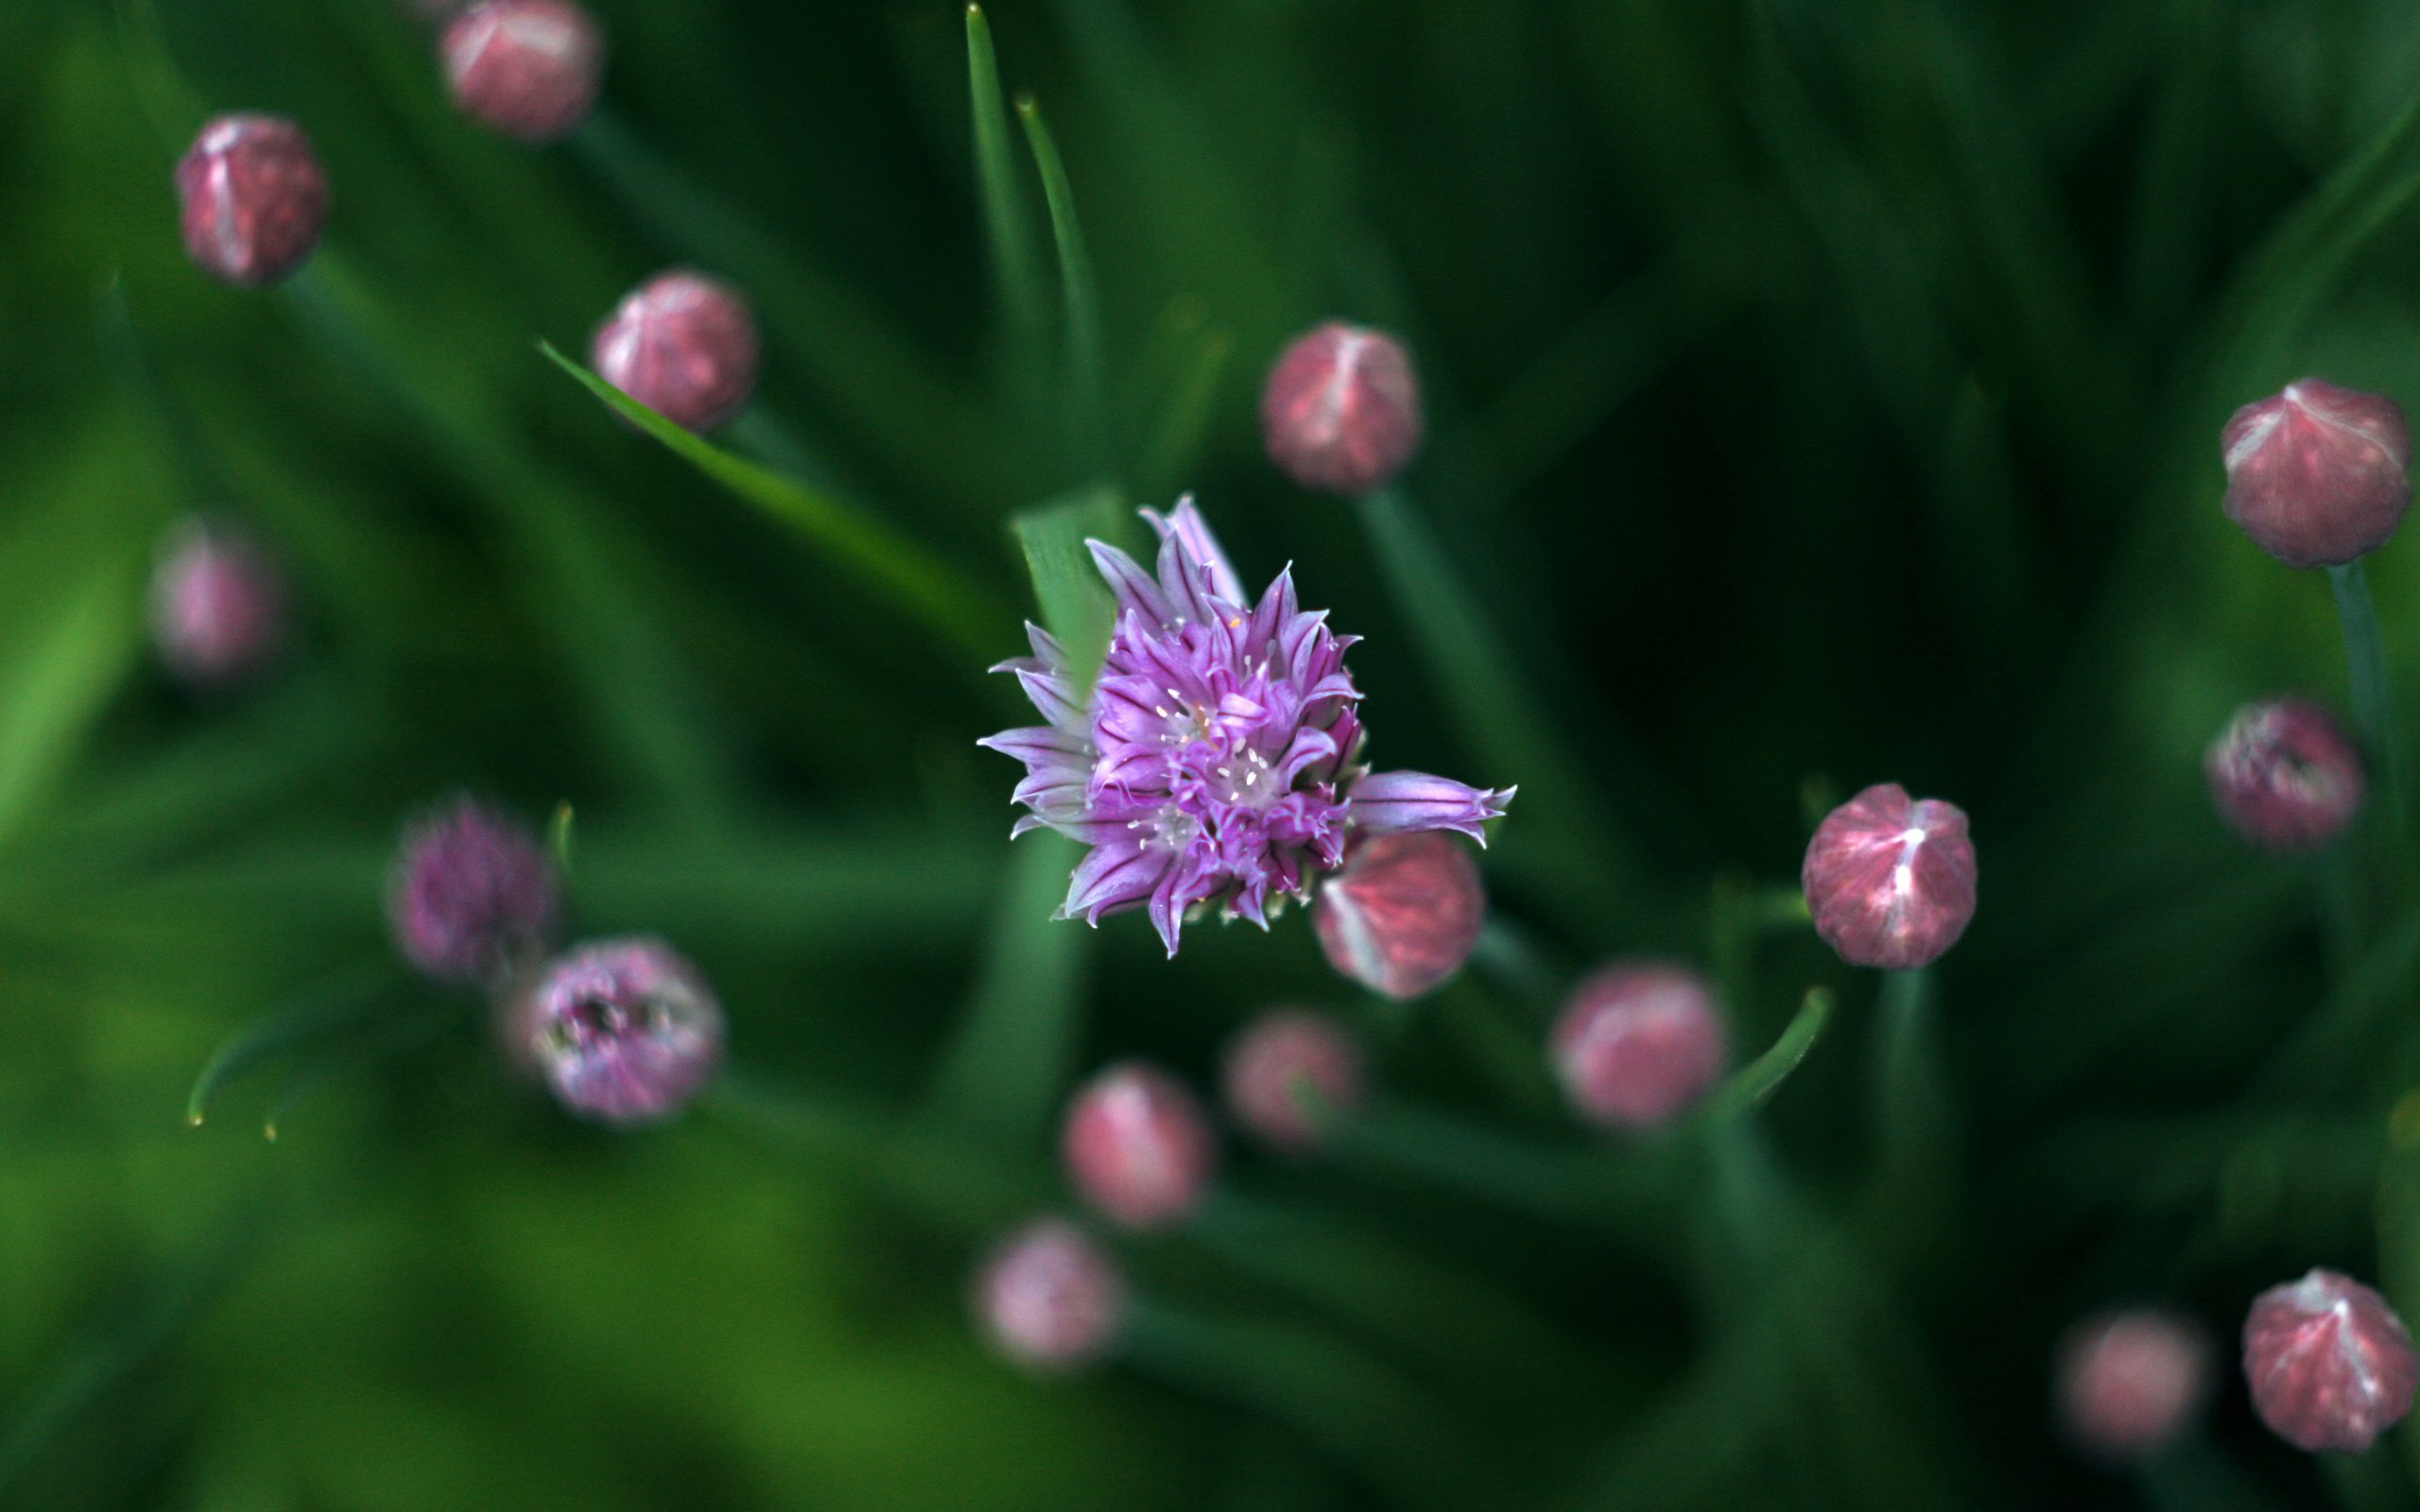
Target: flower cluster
(1216, 760)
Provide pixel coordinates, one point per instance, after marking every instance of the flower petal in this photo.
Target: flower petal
(1192, 533)
(1137, 593)
(1402, 802)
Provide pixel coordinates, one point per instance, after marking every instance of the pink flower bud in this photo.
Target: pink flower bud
(625, 1030)
(1340, 412)
(1890, 880)
(474, 896)
(253, 199)
(2284, 775)
(2316, 474)
(217, 606)
(1048, 1297)
(528, 68)
(1138, 1146)
(684, 346)
(1403, 914)
(1280, 1061)
(2131, 1384)
(2330, 1363)
(1639, 1044)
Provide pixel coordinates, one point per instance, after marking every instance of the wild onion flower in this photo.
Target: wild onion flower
(1048, 1297)
(528, 68)
(1889, 880)
(1340, 412)
(2284, 775)
(2131, 1384)
(474, 896)
(1638, 1043)
(2330, 1363)
(1403, 915)
(625, 1031)
(1215, 762)
(2317, 475)
(1287, 1072)
(217, 606)
(684, 346)
(253, 199)
(1138, 1146)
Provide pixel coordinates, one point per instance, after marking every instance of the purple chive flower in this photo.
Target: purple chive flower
(1138, 1146)
(1283, 1060)
(625, 1031)
(528, 68)
(1639, 1044)
(2284, 775)
(1403, 915)
(1340, 412)
(1216, 761)
(2316, 474)
(1048, 1297)
(2131, 1384)
(2330, 1365)
(474, 896)
(253, 199)
(1890, 880)
(684, 346)
(217, 606)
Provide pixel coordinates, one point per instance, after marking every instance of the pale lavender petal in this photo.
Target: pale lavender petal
(1193, 533)
(1112, 877)
(1401, 802)
(1137, 594)
(1037, 744)
(1052, 700)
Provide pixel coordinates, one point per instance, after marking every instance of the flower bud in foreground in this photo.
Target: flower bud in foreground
(1403, 915)
(2131, 1384)
(682, 345)
(2284, 775)
(1138, 1146)
(1890, 880)
(253, 199)
(625, 1030)
(1340, 412)
(217, 606)
(1280, 1061)
(2330, 1363)
(474, 896)
(1639, 1044)
(1048, 1297)
(2316, 474)
(528, 68)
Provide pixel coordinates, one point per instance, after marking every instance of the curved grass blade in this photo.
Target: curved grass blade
(935, 594)
(1075, 607)
(1761, 1078)
(1016, 261)
(1078, 295)
(391, 1042)
(561, 843)
(321, 1012)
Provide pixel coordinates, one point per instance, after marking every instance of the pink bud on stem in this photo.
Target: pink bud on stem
(1639, 1044)
(528, 68)
(2316, 474)
(1890, 880)
(2330, 1365)
(2284, 775)
(217, 607)
(684, 346)
(1048, 1297)
(2131, 1384)
(1340, 412)
(472, 898)
(1138, 1146)
(1403, 914)
(1283, 1061)
(253, 199)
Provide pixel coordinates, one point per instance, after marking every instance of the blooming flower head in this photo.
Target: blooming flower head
(625, 1031)
(1216, 759)
(2330, 1365)
(473, 896)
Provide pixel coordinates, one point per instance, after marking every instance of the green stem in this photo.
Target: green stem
(1912, 1131)
(2365, 653)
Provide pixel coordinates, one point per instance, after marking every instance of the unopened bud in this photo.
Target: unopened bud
(1138, 1146)
(1287, 1072)
(2316, 474)
(1340, 412)
(2131, 1384)
(684, 346)
(253, 199)
(1048, 1297)
(1890, 880)
(2330, 1365)
(2284, 775)
(217, 606)
(626, 1031)
(1639, 1044)
(528, 68)
(474, 897)
(1403, 914)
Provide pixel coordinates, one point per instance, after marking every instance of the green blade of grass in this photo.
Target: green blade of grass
(1761, 1078)
(321, 1012)
(1076, 607)
(1003, 1072)
(55, 683)
(955, 609)
(1079, 297)
(1016, 261)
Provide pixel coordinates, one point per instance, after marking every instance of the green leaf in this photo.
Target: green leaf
(1016, 261)
(929, 590)
(1076, 605)
(323, 1012)
(1079, 298)
(1003, 1073)
(56, 680)
(1761, 1078)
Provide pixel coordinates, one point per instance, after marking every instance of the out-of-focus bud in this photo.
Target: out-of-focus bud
(626, 1031)
(1403, 914)
(1340, 412)
(2330, 1363)
(1639, 1044)
(684, 346)
(253, 199)
(1048, 1297)
(1138, 1146)
(2284, 775)
(1283, 1059)
(2316, 474)
(528, 68)
(2131, 1384)
(474, 897)
(1890, 880)
(217, 606)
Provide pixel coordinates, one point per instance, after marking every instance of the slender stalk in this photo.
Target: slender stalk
(1913, 1118)
(2365, 654)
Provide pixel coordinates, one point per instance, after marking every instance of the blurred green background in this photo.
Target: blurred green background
(1821, 392)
